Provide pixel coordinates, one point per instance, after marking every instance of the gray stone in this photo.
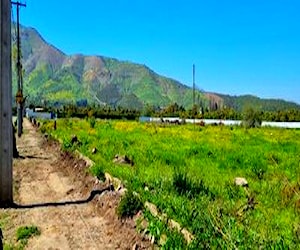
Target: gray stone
(240, 181)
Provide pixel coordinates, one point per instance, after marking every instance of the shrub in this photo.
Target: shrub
(92, 122)
(182, 183)
(252, 119)
(130, 205)
(24, 233)
(98, 172)
(67, 145)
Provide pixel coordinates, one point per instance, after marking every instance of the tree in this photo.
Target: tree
(252, 118)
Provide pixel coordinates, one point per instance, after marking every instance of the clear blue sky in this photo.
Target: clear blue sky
(238, 46)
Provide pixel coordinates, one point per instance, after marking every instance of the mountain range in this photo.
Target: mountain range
(52, 77)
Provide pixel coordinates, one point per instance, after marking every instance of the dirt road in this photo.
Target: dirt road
(51, 191)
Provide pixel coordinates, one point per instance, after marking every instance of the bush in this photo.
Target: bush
(92, 122)
(67, 145)
(98, 172)
(24, 233)
(252, 119)
(130, 205)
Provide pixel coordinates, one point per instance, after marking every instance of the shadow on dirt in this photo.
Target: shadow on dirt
(21, 157)
(65, 203)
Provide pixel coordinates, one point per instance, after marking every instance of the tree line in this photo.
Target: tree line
(223, 113)
(173, 110)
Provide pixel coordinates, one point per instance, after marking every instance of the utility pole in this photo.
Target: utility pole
(194, 85)
(6, 133)
(19, 95)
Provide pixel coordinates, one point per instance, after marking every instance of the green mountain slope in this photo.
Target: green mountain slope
(52, 77)
(240, 103)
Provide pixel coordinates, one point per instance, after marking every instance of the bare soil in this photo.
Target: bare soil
(53, 191)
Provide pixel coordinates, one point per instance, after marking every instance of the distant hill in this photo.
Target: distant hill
(54, 77)
(240, 103)
(51, 76)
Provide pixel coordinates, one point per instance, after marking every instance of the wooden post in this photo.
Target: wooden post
(6, 136)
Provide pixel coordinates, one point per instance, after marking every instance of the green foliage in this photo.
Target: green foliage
(189, 174)
(98, 171)
(186, 186)
(92, 122)
(259, 171)
(26, 232)
(99, 80)
(252, 119)
(92, 113)
(67, 145)
(173, 110)
(110, 82)
(239, 103)
(130, 205)
(163, 236)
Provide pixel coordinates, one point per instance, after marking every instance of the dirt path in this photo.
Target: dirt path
(51, 189)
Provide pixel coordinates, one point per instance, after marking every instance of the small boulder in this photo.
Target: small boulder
(136, 246)
(240, 181)
(123, 159)
(163, 240)
(94, 151)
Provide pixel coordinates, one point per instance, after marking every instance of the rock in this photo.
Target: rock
(162, 240)
(141, 222)
(136, 246)
(152, 208)
(152, 239)
(240, 181)
(174, 225)
(187, 235)
(108, 178)
(122, 191)
(123, 159)
(94, 151)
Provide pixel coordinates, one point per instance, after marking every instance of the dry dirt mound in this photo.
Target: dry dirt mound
(55, 193)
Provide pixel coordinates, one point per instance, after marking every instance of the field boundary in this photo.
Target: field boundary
(152, 208)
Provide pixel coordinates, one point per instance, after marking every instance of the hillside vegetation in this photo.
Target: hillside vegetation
(52, 78)
(189, 172)
(240, 103)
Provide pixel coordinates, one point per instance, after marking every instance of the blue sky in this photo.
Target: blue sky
(238, 46)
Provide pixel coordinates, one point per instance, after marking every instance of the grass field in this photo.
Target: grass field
(189, 172)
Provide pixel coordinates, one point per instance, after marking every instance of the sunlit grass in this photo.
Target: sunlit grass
(268, 158)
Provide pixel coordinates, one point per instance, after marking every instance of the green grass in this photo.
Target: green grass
(189, 173)
(130, 205)
(24, 233)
